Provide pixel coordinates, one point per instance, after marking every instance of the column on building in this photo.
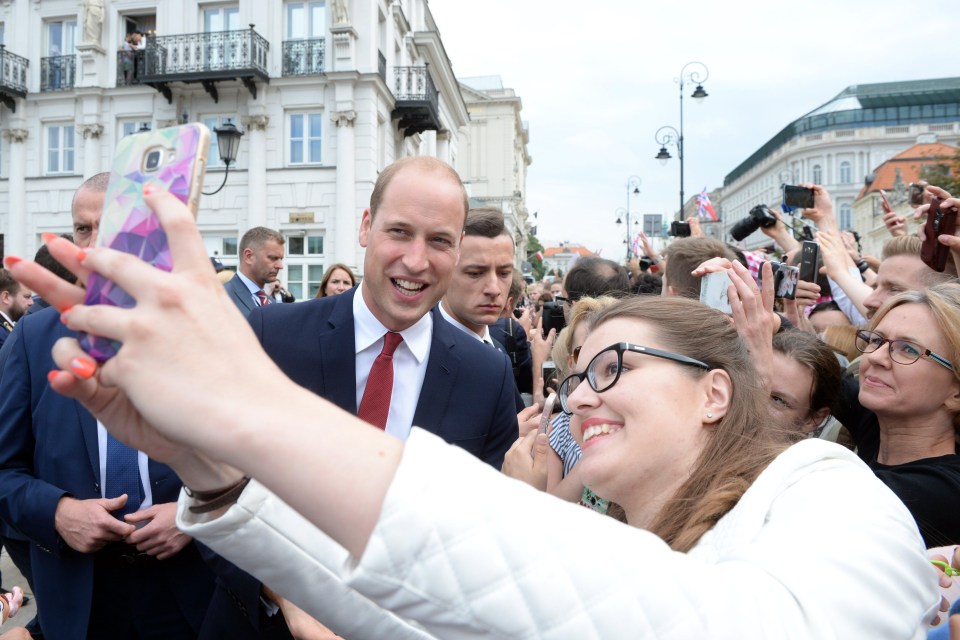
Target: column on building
(15, 238)
(256, 132)
(345, 248)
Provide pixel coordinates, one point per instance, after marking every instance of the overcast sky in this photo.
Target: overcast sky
(597, 81)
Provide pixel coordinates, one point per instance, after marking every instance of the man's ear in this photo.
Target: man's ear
(365, 223)
(718, 392)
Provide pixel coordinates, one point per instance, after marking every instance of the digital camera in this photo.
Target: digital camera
(759, 216)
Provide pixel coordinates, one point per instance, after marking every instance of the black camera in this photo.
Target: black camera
(551, 317)
(759, 216)
(680, 229)
(646, 263)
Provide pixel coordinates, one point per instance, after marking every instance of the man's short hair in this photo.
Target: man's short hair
(7, 283)
(686, 254)
(486, 222)
(901, 246)
(592, 277)
(48, 262)
(258, 235)
(424, 163)
(516, 287)
(96, 183)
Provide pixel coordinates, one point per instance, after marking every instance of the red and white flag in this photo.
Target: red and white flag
(704, 208)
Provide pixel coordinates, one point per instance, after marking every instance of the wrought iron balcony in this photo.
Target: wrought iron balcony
(130, 67)
(13, 78)
(303, 57)
(206, 58)
(417, 101)
(382, 66)
(57, 73)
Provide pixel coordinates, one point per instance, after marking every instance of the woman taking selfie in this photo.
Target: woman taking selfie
(721, 514)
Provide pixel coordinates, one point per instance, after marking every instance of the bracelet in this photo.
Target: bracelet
(863, 265)
(214, 500)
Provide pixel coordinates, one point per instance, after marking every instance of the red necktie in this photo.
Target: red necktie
(375, 404)
(264, 300)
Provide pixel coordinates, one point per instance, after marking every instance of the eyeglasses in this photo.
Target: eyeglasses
(901, 351)
(605, 369)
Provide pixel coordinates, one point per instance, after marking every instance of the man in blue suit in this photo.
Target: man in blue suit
(443, 381)
(261, 259)
(15, 301)
(98, 574)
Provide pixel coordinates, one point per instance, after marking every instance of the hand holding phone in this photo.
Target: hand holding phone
(172, 159)
(809, 261)
(886, 203)
(940, 221)
(713, 291)
(797, 197)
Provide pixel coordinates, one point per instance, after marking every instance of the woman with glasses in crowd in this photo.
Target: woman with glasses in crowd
(910, 384)
(676, 430)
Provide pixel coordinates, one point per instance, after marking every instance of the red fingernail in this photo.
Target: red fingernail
(9, 261)
(53, 374)
(64, 315)
(47, 236)
(81, 255)
(149, 189)
(82, 368)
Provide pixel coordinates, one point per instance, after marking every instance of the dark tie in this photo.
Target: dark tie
(123, 475)
(375, 404)
(262, 297)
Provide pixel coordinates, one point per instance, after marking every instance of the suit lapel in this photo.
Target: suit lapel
(441, 374)
(241, 293)
(338, 359)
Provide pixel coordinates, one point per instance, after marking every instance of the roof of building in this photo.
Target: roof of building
(551, 252)
(868, 105)
(907, 165)
(483, 83)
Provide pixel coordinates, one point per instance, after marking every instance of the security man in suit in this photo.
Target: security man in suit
(107, 558)
(15, 301)
(261, 259)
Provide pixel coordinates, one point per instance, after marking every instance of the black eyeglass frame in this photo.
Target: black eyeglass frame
(620, 348)
(924, 352)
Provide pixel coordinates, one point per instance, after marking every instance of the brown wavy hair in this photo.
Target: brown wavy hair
(738, 447)
(322, 291)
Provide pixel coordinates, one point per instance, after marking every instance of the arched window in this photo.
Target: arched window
(846, 215)
(817, 174)
(845, 173)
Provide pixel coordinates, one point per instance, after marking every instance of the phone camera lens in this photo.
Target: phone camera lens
(153, 160)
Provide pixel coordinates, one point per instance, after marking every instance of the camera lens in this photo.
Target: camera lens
(153, 160)
(743, 228)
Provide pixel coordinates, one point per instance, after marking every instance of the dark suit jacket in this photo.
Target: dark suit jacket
(240, 295)
(49, 450)
(509, 333)
(468, 392)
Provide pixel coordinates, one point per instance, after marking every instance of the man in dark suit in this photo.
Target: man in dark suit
(97, 573)
(261, 259)
(443, 380)
(15, 300)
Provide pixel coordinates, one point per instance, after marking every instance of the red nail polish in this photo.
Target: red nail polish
(83, 369)
(9, 261)
(149, 189)
(47, 236)
(81, 255)
(52, 374)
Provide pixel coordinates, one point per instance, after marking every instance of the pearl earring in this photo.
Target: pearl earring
(709, 416)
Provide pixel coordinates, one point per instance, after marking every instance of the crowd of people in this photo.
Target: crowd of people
(410, 455)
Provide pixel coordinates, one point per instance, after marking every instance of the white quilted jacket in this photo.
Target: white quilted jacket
(817, 548)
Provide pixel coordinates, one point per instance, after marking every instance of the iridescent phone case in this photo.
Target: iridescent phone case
(174, 160)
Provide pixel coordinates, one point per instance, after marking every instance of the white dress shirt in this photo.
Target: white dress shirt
(409, 362)
(142, 462)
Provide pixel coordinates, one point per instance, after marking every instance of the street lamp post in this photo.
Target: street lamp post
(633, 187)
(698, 74)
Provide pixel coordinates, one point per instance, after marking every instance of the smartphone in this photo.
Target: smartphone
(175, 160)
(784, 280)
(886, 203)
(939, 221)
(809, 258)
(800, 197)
(713, 291)
(916, 194)
(548, 406)
(550, 382)
(679, 229)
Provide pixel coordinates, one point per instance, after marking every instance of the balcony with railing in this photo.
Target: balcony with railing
(130, 67)
(303, 57)
(57, 73)
(13, 78)
(206, 58)
(417, 100)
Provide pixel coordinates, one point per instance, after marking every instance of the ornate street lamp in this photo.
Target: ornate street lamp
(228, 144)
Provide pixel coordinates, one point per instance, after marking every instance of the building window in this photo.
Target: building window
(845, 173)
(230, 246)
(846, 213)
(213, 155)
(219, 53)
(131, 127)
(60, 148)
(305, 246)
(817, 174)
(305, 138)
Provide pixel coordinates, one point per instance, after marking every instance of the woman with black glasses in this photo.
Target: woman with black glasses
(910, 386)
(724, 517)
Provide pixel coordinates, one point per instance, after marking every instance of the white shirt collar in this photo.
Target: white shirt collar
(7, 318)
(251, 285)
(470, 332)
(368, 330)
